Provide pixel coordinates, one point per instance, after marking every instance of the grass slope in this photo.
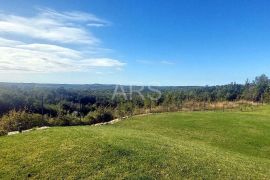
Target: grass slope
(169, 145)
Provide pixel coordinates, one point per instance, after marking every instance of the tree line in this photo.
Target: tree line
(89, 104)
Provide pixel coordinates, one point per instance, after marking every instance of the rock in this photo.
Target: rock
(44, 127)
(17, 132)
(13, 132)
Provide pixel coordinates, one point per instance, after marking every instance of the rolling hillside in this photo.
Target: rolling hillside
(168, 145)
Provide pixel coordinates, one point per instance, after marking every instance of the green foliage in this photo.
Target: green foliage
(261, 84)
(98, 116)
(20, 120)
(67, 105)
(3, 131)
(64, 120)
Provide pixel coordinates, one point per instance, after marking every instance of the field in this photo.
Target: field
(190, 145)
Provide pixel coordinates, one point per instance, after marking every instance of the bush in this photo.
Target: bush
(20, 120)
(64, 120)
(98, 116)
(3, 132)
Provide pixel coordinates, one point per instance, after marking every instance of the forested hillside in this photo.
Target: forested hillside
(88, 104)
(68, 98)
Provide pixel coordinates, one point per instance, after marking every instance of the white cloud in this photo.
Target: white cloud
(49, 58)
(48, 28)
(7, 42)
(58, 30)
(52, 49)
(66, 27)
(73, 16)
(146, 62)
(102, 62)
(167, 62)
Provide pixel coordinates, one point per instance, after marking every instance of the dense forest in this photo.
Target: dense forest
(51, 104)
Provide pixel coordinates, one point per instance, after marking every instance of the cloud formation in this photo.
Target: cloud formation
(51, 34)
(167, 62)
(164, 62)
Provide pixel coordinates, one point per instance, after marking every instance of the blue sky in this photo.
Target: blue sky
(174, 42)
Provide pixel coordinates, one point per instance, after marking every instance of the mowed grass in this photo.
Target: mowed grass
(192, 145)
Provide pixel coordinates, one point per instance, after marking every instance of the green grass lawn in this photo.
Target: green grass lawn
(227, 145)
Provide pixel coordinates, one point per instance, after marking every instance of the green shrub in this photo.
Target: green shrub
(90, 118)
(3, 132)
(98, 116)
(64, 120)
(20, 120)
